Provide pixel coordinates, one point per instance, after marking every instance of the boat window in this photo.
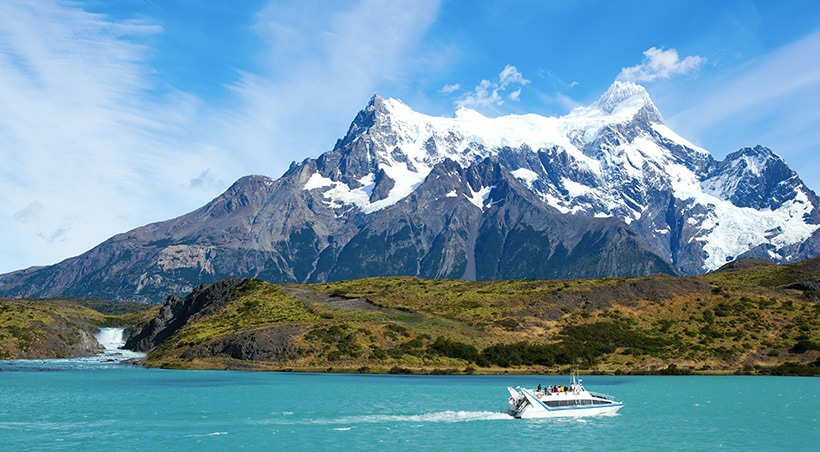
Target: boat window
(574, 402)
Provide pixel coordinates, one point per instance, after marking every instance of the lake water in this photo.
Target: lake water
(98, 405)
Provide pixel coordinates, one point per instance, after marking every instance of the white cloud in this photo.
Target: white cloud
(32, 217)
(30, 214)
(485, 94)
(660, 64)
(489, 94)
(206, 180)
(509, 76)
(447, 89)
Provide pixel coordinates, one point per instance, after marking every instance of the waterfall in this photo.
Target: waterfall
(111, 338)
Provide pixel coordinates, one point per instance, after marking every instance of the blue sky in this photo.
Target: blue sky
(117, 114)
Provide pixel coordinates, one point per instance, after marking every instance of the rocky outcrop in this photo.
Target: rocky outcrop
(67, 341)
(176, 313)
(46, 329)
(272, 343)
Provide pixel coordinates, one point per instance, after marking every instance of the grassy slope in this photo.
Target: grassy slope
(733, 321)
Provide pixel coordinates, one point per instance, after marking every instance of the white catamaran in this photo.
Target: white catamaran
(560, 401)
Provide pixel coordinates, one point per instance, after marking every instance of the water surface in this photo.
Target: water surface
(105, 405)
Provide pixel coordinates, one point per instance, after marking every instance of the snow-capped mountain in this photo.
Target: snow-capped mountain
(606, 190)
(614, 158)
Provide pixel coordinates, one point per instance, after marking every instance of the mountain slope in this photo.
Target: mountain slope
(607, 190)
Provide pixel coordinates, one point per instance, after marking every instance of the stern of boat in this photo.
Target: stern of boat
(516, 402)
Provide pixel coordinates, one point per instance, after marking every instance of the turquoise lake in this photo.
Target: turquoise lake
(76, 405)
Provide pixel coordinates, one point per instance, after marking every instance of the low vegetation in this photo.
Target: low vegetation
(745, 319)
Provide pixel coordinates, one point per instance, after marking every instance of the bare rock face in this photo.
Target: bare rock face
(273, 343)
(69, 342)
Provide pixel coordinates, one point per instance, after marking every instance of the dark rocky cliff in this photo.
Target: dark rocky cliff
(176, 312)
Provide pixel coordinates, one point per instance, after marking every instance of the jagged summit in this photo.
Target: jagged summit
(755, 177)
(756, 158)
(623, 95)
(391, 143)
(622, 102)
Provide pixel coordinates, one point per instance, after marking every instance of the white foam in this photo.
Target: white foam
(111, 338)
(442, 416)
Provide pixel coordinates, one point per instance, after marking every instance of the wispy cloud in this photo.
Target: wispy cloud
(771, 100)
(510, 75)
(320, 64)
(94, 143)
(492, 93)
(206, 180)
(75, 119)
(660, 64)
(29, 214)
(447, 89)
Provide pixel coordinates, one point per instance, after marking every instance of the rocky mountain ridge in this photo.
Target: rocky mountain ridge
(607, 190)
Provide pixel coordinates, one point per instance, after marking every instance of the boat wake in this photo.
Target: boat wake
(443, 416)
(438, 417)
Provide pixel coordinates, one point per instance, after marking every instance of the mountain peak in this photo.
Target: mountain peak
(627, 98)
(758, 151)
(619, 92)
(375, 101)
(466, 113)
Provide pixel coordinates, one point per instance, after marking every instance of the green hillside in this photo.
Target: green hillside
(743, 319)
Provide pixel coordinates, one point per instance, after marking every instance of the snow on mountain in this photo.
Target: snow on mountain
(417, 142)
(613, 158)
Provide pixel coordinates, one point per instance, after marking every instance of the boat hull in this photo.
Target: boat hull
(527, 404)
(535, 412)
